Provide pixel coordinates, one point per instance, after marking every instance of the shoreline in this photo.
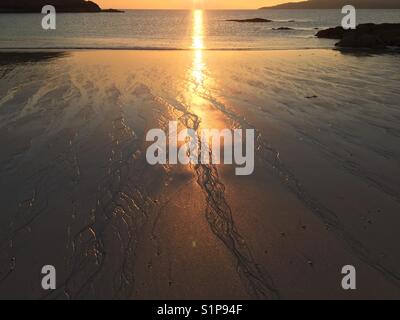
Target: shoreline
(155, 49)
(357, 51)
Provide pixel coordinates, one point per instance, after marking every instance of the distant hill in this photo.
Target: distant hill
(336, 4)
(26, 6)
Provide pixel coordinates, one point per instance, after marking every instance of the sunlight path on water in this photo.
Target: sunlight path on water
(198, 46)
(197, 79)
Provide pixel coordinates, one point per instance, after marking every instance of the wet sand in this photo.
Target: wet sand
(77, 191)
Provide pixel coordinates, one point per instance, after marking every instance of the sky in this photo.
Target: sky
(188, 4)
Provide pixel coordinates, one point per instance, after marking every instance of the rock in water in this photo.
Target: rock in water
(282, 29)
(371, 36)
(331, 33)
(255, 20)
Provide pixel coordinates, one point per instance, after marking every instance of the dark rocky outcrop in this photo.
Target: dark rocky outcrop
(331, 33)
(372, 36)
(255, 20)
(112, 11)
(27, 6)
(282, 29)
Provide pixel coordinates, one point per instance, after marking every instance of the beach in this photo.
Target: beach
(77, 192)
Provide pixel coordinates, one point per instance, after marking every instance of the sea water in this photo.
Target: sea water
(173, 29)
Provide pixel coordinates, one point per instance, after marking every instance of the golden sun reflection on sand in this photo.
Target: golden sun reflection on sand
(198, 79)
(198, 46)
(196, 74)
